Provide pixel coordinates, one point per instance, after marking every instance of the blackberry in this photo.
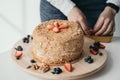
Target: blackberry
(96, 48)
(97, 44)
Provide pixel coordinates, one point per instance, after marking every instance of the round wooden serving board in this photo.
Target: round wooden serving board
(80, 68)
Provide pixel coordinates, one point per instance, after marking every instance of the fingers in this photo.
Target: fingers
(84, 26)
(109, 30)
(113, 30)
(99, 24)
(104, 27)
(78, 16)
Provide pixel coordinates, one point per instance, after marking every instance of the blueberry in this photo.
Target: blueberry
(57, 72)
(90, 61)
(89, 57)
(86, 59)
(97, 44)
(100, 54)
(58, 69)
(19, 48)
(96, 48)
(32, 61)
(26, 40)
(55, 69)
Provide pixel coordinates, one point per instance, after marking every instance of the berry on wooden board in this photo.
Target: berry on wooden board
(68, 67)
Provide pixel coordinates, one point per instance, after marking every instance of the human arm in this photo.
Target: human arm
(105, 24)
(64, 6)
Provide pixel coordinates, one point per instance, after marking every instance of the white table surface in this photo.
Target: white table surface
(10, 71)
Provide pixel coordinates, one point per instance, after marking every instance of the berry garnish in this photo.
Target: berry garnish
(19, 48)
(68, 66)
(89, 57)
(18, 54)
(93, 52)
(100, 54)
(57, 70)
(90, 61)
(102, 46)
(56, 24)
(50, 27)
(26, 40)
(54, 69)
(56, 29)
(63, 26)
(96, 48)
(97, 44)
(86, 59)
(32, 61)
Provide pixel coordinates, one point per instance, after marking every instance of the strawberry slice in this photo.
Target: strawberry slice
(56, 24)
(68, 66)
(18, 54)
(56, 29)
(93, 52)
(63, 26)
(102, 46)
(50, 27)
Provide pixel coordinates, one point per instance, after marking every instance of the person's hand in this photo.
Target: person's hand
(76, 15)
(105, 24)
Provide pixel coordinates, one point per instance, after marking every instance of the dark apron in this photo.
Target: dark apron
(91, 9)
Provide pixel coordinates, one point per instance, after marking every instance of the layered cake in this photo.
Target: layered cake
(56, 42)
